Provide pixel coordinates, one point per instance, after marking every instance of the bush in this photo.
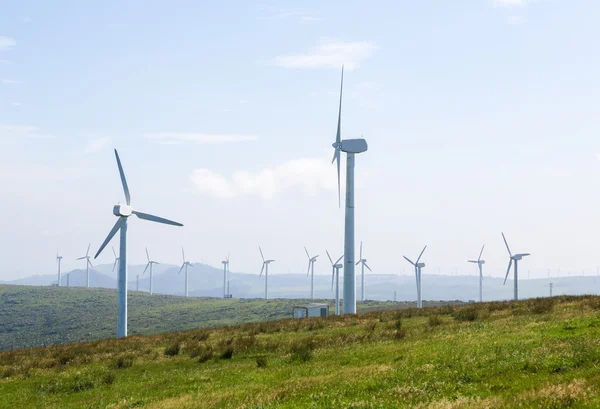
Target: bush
(205, 356)
(123, 362)
(399, 334)
(261, 362)
(302, 351)
(227, 354)
(434, 321)
(542, 305)
(594, 303)
(173, 349)
(466, 314)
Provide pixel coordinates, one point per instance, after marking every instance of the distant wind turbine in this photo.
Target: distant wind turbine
(418, 266)
(225, 276)
(363, 263)
(149, 265)
(87, 265)
(311, 271)
(116, 259)
(185, 264)
(480, 264)
(516, 259)
(123, 212)
(351, 147)
(58, 259)
(335, 271)
(265, 268)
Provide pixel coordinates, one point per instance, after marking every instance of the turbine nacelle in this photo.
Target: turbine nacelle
(420, 265)
(519, 256)
(352, 145)
(338, 266)
(121, 210)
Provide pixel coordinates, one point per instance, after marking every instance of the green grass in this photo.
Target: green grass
(542, 353)
(37, 316)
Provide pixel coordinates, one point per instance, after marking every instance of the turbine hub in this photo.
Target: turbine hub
(121, 210)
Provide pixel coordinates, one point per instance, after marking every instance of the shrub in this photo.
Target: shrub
(227, 354)
(399, 334)
(261, 362)
(594, 303)
(302, 351)
(123, 362)
(434, 321)
(205, 356)
(466, 314)
(371, 327)
(398, 324)
(542, 305)
(172, 349)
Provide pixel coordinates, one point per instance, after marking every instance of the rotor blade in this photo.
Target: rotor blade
(261, 254)
(147, 255)
(183, 255)
(81, 258)
(146, 268)
(329, 257)
(261, 270)
(473, 261)
(87, 253)
(338, 260)
(183, 265)
(422, 251)
(228, 258)
(358, 262)
(338, 136)
(114, 265)
(480, 253)
(308, 271)
(361, 250)
(336, 157)
(89, 262)
(367, 266)
(508, 270)
(114, 252)
(409, 260)
(113, 231)
(123, 180)
(332, 276)
(156, 219)
(507, 248)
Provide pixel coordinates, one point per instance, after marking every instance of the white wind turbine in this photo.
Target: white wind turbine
(480, 264)
(87, 265)
(418, 267)
(149, 265)
(225, 275)
(516, 259)
(116, 259)
(351, 147)
(363, 262)
(123, 211)
(185, 264)
(58, 259)
(311, 271)
(265, 268)
(335, 271)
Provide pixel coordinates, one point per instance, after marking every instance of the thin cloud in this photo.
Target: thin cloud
(7, 43)
(303, 16)
(330, 53)
(178, 138)
(510, 3)
(96, 145)
(8, 132)
(5, 81)
(517, 20)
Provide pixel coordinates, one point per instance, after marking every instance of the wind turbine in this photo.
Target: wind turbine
(185, 264)
(265, 268)
(418, 267)
(516, 259)
(363, 262)
(480, 264)
(335, 271)
(58, 259)
(150, 263)
(351, 147)
(225, 274)
(116, 259)
(311, 271)
(123, 212)
(87, 265)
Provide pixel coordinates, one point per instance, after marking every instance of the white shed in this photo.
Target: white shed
(311, 310)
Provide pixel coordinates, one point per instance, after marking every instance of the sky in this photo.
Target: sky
(481, 116)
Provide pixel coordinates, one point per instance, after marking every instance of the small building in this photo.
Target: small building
(311, 310)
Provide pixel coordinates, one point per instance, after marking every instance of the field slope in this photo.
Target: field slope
(542, 353)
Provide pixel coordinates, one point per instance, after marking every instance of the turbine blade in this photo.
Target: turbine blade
(114, 252)
(358, 262)
(156, 219)
(146, 268)
(332, 276)
(183, 255)
(480, 253)
(367, 266)
(261, 270)
(87, 253)
(308, 271)
(508, 270)
(338, 136)
(123, 180)
(307, 255)
(336, 155)
(409, 260)
(338, 260)
(183, 265)
(422, 251)
(81, 258)
(261, 254)
(114, 265)
(507, 248)
(361, 250)
(89, 262)
(329, 257)
(147, 255)
(113, 231)
(473, 261)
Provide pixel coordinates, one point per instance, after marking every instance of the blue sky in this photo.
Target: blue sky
(481, 116)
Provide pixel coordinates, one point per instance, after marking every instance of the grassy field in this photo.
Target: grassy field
(542, 353)
(36, 316)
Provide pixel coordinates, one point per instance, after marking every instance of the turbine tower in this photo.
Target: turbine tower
(225, 274)
(123, 212)
(87, 265)
(58, 259)
(516, 259)
(335, 271)
(265, 268)
(311, 271)
(116, 259)
(351, 147)
(185, 264)
(149, 265)
(363, 263)
(480, 264)
(418, 266)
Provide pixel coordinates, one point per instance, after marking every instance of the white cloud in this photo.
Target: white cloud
(96, 145)
(510, 3)
(5, 81)
(303, 16)
(8, 131)
(178, 138)
(5, 62)
(7, 43)
(330, 53)
(308, 175)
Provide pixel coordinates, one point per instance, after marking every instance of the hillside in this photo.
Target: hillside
(36, 316)
(541, 353)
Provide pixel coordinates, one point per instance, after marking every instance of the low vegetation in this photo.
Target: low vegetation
(529, 354)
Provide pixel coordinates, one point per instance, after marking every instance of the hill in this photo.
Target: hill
(541, 353)
(35, 316)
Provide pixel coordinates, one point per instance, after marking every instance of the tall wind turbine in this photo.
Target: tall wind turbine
(351, 147)
(418, 267)
(123, 212)
(265, 268)
(58, 259)
(185, 264)
(225, 274)
(363, 263)
(116, 259)
(87, 265)
(335, 271)
(311, 271)
(480, 264)
(149, 265)
(516, 259)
